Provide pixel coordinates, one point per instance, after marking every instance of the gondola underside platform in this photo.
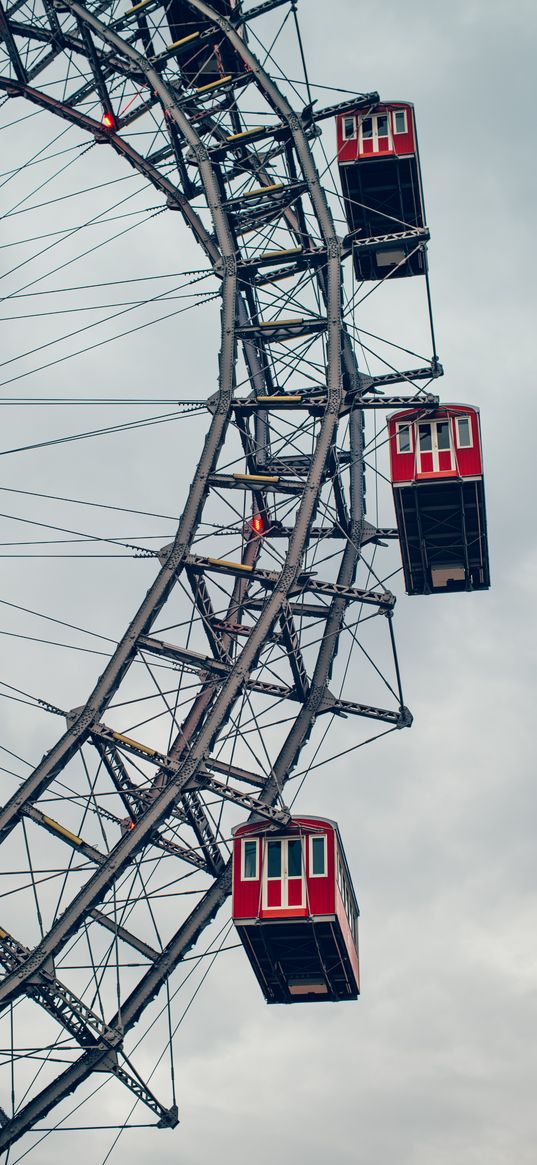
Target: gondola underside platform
(443, 536)
(383, 199)
(300, 960)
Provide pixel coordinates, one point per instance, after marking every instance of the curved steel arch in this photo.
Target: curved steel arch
(180, 781)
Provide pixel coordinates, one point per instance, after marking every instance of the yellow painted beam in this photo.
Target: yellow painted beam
(184, 40)
(262, 190)
(279, 323)
(279, 254)
(213, 84)
(135, 744)
(263, 477)
(142, 4)
(246, 133)
(233, 565)
(55, 825)
(278, 399)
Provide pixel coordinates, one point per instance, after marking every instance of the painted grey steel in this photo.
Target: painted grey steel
(188, 767)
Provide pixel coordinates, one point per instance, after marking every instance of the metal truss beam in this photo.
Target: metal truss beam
(401, 718)
(98, 884)
(80, 1020)
(187, 771)
(6, 35)
(95, 1059)
(61, 833)
(175, 197)
(292, 644)
(125, 935)
(259, 10)
(301, 584)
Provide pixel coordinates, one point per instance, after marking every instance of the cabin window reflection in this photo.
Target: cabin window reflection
(274, 859)
(464, 433)
(367, 127)
(382, 125)
(443, 435)
(294, 859)
(249, 861)
(349, 128)
(399, 121)
(426, 438)
(404, 439)
(318, 857)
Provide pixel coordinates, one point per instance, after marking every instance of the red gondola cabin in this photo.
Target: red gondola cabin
(295, 910)
(381, 181)
(439, 495)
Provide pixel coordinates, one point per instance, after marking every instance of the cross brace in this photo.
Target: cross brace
(86, 1027)
(304, 582)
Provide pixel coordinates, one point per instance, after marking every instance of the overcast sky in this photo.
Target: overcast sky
(436, 1062)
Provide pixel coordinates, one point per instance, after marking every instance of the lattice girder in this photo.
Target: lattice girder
(250, 621)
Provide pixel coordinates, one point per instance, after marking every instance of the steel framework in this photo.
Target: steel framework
(252, 611)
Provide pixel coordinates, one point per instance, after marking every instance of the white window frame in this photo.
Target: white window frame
(470, 443)
(318, 837)
(404, 425)
(283, 877)
(395, 131)
(244, 876)
(376, 134)
(374, 139)
(435, 450)
(361, 119)
(349, 137)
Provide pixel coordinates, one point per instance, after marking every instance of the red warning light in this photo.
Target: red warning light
(109, 120)
(259, 524)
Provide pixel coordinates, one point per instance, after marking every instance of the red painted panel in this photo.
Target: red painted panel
(246, 894)
(467, 462)
(445, 461)
(347, 148)
(470, 461)
(400, 144)
(426, 463)
(404, 143)
(294, 892)
(348, 151)
(274, 892)
(319, 892)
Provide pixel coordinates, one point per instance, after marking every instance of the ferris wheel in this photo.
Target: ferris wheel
(235, 665)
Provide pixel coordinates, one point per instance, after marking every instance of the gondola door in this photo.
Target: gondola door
(434, 453)
(375, 134)
(283, 875)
